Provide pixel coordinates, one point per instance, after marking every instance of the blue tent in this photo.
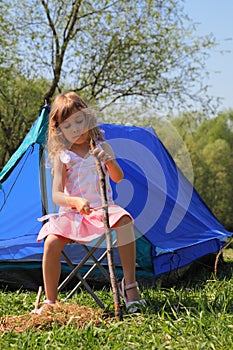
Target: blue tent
(173, 225)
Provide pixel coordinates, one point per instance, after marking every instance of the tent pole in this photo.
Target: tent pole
(43, 187)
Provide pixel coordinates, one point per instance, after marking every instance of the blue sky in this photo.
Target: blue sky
(216, 17)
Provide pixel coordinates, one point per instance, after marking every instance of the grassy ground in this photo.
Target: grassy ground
(191, 316)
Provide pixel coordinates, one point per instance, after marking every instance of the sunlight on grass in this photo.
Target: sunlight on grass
(228, 254)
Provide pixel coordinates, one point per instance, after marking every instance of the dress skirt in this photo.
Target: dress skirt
(77, 227)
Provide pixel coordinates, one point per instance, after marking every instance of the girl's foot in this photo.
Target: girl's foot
(47, 305)
(131, 296)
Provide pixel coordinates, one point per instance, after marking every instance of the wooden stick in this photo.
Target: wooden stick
(39, 293)
(219, 254)
(108, 235)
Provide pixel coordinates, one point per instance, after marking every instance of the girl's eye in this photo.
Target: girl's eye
(66, 126)
(79, 121)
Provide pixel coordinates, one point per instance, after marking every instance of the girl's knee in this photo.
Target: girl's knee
(124, 221)
(54, 243)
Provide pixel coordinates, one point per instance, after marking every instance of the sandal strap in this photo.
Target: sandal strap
(48, 302)
(131, 285)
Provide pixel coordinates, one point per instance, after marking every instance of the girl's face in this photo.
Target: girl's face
(75, 128)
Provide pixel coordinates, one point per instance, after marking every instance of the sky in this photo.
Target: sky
(216, 17)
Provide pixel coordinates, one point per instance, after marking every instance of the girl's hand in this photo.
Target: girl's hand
(83, 206)
(108, 158)
(102, 155)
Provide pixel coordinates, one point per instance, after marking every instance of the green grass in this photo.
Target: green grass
(192, 316)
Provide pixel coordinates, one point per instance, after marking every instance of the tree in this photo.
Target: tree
(20, 101)
(7, 43)
(218, 156)
(108, 50)
(211, 148)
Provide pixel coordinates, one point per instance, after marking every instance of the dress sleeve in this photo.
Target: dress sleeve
(65, 157)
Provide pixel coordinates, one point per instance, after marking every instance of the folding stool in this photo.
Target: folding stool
(76, 269)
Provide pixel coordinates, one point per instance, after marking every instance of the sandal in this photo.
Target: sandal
(46, 305)
(131, 306)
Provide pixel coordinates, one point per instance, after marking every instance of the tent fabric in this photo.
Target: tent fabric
(20, 197)
(167, 209)
(173, 225)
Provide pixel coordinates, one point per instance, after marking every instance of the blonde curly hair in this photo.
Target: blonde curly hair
(62, 108)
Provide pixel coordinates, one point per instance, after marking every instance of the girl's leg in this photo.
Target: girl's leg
(51, 264)
(127, 251)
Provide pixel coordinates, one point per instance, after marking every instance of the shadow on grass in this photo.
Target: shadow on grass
(197, 273)
(194, 289)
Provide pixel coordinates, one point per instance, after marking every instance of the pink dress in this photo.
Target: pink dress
(82, 181)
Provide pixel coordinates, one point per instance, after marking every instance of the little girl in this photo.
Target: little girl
(76, 190)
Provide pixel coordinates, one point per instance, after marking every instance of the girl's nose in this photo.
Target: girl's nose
(74, 129)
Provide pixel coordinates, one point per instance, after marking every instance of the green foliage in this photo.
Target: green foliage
(20, 101)
(210, 144)
(7, 39)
